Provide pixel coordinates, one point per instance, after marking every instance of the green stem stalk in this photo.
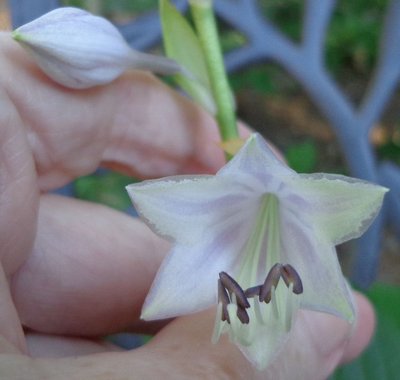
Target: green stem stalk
(204, 20)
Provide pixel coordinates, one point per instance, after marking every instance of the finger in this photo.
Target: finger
(321, 341)
(90, 269)
(18, 189)
(183, 351)
(136, 123)
(315, 347)
(10, 326)
(363, 329)
(54, 346)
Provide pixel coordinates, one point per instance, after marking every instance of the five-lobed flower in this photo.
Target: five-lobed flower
(258, 240)
(80, 50)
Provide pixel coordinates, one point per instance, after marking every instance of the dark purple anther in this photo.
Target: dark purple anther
(271, 281)
(242, 315)
(224, 299)
(233, 287)
(290, 276)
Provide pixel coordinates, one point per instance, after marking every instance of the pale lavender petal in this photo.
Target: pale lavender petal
(256, 159)
(342, 207)
(189, 209)
(316, 261)
(187, 279)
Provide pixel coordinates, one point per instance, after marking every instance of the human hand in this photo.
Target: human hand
(73, 271)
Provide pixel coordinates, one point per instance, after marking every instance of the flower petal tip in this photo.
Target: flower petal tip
(148, 313)
(145, 316)
(16, 35)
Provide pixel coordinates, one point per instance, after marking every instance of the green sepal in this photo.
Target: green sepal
(182, 45)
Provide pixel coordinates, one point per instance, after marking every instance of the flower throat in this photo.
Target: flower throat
(241, 310)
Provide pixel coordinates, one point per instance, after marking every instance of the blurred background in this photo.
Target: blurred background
(4, 17)
(275, 104)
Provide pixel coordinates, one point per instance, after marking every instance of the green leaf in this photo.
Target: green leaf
(182, 45)
(381, 359)
(302, 157)
(107, 189)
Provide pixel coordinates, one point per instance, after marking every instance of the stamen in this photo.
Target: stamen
(225, 315)
(234, 288)
(274, 303)
(271, 280)
(223, 299)
(254, 291)
(289, 307)
(234, 331)
(290, 276)
(242, 315)
(257, 311)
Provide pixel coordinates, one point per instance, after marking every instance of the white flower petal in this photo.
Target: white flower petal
(266, 345)
(315, 260)
(256, 159)
(187, 279)
(189, 208)
(254, 213)
(342, 207)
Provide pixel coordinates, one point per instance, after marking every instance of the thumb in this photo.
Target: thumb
(183, 350)
(317, 345)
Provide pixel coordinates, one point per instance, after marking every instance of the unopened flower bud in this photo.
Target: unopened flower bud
(80, 50)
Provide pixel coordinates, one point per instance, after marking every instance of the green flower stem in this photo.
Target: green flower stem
(204, 20)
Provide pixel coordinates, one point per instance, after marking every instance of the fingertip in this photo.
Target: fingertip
(363, 329)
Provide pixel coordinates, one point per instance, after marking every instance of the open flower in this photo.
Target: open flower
(257, 239)
(80, 50)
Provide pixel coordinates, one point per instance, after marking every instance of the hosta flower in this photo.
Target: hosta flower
(258, 240)
(80, 50)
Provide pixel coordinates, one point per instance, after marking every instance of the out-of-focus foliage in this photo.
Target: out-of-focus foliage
(107, 188)
(115, 7)
(284, 14)
(302, 157)
(261, 79)
(353, 37)
(390, 150)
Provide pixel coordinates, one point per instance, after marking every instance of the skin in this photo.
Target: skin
(73, 271)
